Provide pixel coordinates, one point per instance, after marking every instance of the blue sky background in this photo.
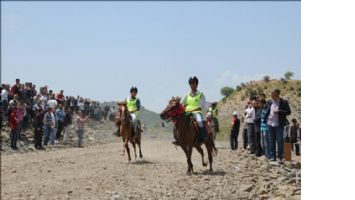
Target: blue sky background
(100, 49)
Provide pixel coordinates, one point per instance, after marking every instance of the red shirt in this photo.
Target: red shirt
(60, 97)
(13, 122)
(14, 90)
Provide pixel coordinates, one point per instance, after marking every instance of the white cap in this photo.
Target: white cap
(235, 113)
(209, 114)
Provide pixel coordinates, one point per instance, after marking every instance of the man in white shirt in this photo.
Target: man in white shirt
(5, 98)
(249, 118)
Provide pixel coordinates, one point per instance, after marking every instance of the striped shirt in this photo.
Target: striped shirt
(79, 123)
(49, 119)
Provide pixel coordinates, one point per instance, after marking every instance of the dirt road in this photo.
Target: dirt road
(100, 172)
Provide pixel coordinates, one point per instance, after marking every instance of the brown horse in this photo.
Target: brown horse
(125, 126)
(187, 134)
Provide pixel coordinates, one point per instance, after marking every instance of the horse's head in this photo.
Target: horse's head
(172, 109)
(122, 114)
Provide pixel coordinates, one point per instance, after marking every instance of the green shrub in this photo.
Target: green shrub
(266, 78)
(226, 91)
(288, 75)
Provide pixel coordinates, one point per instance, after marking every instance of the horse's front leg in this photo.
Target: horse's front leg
(127, 148)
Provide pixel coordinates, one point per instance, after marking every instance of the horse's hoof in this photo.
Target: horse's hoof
(204, 164)
(211, 170)
(141, 156)
(188, 173)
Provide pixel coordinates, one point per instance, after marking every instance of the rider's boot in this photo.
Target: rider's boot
(202, 134)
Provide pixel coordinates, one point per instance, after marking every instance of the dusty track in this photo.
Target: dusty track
(100, 172)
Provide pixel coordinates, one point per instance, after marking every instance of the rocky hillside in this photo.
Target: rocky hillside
(290, 90)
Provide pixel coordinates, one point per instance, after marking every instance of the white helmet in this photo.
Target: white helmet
(235, 113)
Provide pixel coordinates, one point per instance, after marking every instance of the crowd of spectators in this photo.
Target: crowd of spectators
(24, 107)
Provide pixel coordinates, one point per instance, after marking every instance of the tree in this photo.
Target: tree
(238, 88)
(226, 91)
(266, 78)
(288, 75)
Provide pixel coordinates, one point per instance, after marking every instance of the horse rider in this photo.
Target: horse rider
(214, 111)
(194, 102)
(133, 106)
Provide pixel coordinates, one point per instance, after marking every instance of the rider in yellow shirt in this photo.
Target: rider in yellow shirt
(214, 111)
(133, 106)
(194, 102)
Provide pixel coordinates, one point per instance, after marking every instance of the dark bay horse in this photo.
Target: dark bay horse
(125, 126)
(187, 133)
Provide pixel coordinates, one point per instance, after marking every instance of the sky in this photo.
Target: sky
(100, 49)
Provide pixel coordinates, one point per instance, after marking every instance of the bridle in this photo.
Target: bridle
(173, 113)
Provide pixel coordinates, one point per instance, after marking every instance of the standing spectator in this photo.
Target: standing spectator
(44, 98)
(286, 129)
(60, 97)
(38, 128)
(80, 125)
(245, 133)
(66, 103)
(295, 135)
(14, 124)
(60, 121)
(75, 102)
(278, 109)
(21, 111)
(262, 96)
(52, 103)
(67, 124)
(264, 129)
(15, 89)
(28, 94)
(22, 94)
(234, 131)
(250, 117)
(258, 149)
(34, 91)
(49, 123)
(5, 98)
(81, 105)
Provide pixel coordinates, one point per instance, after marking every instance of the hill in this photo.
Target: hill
(290, 90)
